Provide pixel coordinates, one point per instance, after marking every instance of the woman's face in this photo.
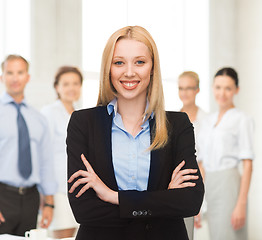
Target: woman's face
(69, 87)
(130, 70)
(187, 90)
(224, 89)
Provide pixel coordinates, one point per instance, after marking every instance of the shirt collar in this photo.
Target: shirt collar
(112, 108)
(6, 99)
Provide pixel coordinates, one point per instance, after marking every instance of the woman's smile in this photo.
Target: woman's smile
(129, 85)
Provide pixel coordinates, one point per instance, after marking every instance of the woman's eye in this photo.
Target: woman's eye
(140, 62)
(118, 63)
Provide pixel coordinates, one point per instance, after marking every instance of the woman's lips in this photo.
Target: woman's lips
(129, 85)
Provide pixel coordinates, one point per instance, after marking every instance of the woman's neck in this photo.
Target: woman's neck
(68, 106)
(191, 111)
(222, 111)
(131, 113)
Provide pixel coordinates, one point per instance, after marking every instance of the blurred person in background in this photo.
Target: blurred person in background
(225, 144)
(26, 163)
(68, 83)
(188, 88)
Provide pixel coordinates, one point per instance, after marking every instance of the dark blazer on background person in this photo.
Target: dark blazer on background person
(153, 214)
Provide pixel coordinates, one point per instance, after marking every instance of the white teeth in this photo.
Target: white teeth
(129, 84)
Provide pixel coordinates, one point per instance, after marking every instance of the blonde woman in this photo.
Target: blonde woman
(132, 167)
(226, 143)
(67, 84)
(188, 88)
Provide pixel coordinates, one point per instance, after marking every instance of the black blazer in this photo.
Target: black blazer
(153, 214)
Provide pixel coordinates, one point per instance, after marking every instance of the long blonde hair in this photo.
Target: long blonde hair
(155, 89)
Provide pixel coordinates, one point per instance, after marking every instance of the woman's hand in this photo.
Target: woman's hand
(2, 219)
(91, 180)
(238, 217)
(180, 176)
(198, 221)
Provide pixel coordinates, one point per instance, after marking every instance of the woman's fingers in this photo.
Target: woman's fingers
(87, 164)
(186, 184)
(82, 173)
(238, 223)
(185, 172)
(197, 221)
(181, 178)
(186, 178)
(79, 173)
(83, 189)
(177, 169)
(2, 219)
(78, 182)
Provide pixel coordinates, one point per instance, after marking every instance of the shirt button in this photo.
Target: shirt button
(134, 213)
(149, 212)
(144, 212)
(139, 213)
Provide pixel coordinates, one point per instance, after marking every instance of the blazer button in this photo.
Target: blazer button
(148, 227)
(144, 212)
(134, 213)
(139, 213)
(149, 212)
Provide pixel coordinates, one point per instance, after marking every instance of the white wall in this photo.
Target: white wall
(56, 40)
(249, 65)
(222, 38)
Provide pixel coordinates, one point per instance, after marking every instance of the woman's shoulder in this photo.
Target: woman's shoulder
(177, 119)
(241, 116)
(240, 113)
(174, 115)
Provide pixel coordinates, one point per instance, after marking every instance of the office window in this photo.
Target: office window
(15, 28)
(179, 28)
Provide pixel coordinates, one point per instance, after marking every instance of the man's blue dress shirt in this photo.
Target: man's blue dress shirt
(131, 159)
(41, 152)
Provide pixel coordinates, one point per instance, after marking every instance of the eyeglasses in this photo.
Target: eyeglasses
(187, 89)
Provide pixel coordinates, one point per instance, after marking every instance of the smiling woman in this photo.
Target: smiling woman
(131, 69)
(132, 167)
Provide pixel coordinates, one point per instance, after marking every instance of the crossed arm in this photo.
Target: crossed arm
(93, 195)
(180, 179)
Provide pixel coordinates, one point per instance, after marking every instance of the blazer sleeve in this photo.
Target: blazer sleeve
(171, 203)
(88, 208)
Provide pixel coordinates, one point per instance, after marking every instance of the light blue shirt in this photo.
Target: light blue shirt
(131, 159)
(42, 162)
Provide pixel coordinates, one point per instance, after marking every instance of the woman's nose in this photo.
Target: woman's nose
(129, 71)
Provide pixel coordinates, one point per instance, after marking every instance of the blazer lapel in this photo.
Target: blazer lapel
(155, 163)
(103, 148)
